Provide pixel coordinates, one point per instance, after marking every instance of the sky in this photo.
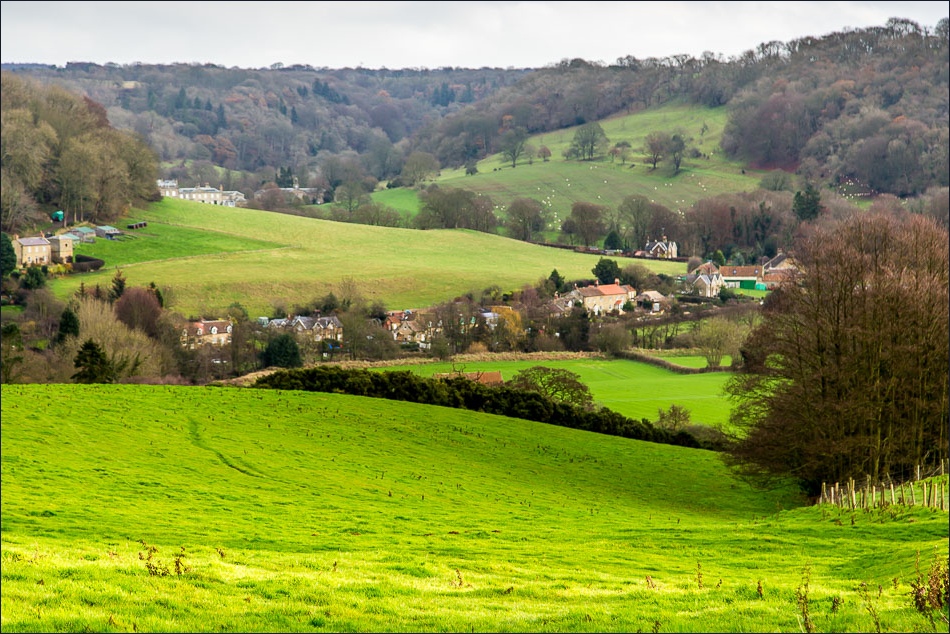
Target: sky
(397, 35)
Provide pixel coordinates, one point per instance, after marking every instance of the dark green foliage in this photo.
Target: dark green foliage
(557, 279)
(807, 204)
(68, 325)
(11, 348)
(283, 352)
(556, 384)
(613, 241)
(463, 393)
(35, 278)
(606, 271)
(93, 365)
(7, 256)
(118, 286)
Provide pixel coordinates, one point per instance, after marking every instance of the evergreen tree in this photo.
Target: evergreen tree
(68, 325)
(807, 204)
(283, 352)
(93, 365)
(118, 286)
(7, 256)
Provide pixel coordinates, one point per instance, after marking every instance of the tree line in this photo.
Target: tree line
(527, 402)
(864, 105)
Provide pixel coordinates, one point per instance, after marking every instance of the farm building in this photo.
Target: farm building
(107, 231)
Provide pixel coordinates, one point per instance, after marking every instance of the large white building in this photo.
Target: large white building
(206, 194)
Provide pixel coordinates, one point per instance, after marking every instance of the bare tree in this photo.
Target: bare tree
(847, 374)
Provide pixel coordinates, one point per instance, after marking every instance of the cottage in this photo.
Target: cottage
(705, 280)
(654, 301)
(32, 251)
(747, 277)
(664, 249)
(206, 332)
(601, 299)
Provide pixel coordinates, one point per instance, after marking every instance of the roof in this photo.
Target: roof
(33, 242)
(741, 271)
(485, 378)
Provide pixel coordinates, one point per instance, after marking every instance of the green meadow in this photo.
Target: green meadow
(161, 508)
(214, 256)
(636, 390)
(558, 183)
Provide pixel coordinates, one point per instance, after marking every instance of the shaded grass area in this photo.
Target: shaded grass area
(302, 511)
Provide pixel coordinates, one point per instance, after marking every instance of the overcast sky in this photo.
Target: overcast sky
(469, 34)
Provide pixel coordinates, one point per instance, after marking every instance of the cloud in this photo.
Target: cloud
(419, 34)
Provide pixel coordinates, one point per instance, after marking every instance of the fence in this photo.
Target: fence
(924, 490)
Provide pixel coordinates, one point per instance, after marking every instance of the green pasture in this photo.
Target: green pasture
(293, 511)
(308, 258)
(558, 183)
(636, 390)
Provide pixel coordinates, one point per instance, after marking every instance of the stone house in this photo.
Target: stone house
(32, 251)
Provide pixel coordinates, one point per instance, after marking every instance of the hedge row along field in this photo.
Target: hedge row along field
(170, 508)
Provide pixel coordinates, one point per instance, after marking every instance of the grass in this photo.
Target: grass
(559, 183)
(636, 390)
(258, 259)
(324, 512)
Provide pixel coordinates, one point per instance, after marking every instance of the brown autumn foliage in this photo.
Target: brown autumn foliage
(847, 374)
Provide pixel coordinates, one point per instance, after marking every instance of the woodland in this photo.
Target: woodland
(866, 106)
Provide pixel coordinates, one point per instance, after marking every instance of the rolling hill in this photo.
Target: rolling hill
(161, 508)
(214, 256)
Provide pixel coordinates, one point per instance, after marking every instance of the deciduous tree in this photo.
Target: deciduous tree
(557, 384)
(847, 374)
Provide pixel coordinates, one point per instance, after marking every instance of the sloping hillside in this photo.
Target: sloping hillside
(198, 509)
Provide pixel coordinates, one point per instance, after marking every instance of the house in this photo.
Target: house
(654, 301)
(205, 194)
(61, 248)
(779, 270)
(308, 328)
(601, 299)
(747, 277)
(306, 195)
(32, 251)
(206, 332)
(412, 326)
(705, 280)
(665, 249)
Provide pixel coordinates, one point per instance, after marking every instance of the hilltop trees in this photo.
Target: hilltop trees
(847, 374)
(59, 149)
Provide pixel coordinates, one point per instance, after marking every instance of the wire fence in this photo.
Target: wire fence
(926, 488)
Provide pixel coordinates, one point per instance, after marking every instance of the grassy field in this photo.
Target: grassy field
(160, 508)
(213, 256)
(558, 183)
(636, 390)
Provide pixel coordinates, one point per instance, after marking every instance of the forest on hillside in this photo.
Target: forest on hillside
(865, 105)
